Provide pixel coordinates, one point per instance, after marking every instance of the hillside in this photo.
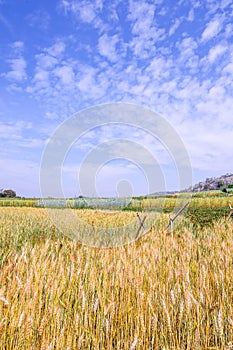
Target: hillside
(211, 184)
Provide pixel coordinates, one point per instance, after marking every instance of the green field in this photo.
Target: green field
(203, 209)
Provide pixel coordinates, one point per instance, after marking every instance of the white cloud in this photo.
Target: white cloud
(51, 115)
(84, 10)
(188, 54)
(9, 130)
(41, 75)
(86, 80)
(18, 69)
(216, 51)
(145, 30)
(39, 19)
(131, 63)
(228, 69)
(66, 74)
(18, 45)
(191, 15)
(175, 26)
(57, 49)
(142, 15)
(225, 3)
(15, 133)
(52, 73)
(17, 62)
(87, 13)
(212, 29)
(66, 6)
(40, 84)
(6, 23)
(46, 61)
(107, 46)
(228, 30)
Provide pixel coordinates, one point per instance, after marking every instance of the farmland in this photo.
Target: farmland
(163, 291)
(204, 207)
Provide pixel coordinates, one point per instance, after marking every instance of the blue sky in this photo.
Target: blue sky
(59, 57)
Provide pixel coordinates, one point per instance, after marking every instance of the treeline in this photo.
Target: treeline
(7, 193)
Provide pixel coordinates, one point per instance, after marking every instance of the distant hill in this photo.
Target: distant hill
(211, 184)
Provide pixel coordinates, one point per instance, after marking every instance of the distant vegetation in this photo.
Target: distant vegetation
(7, 193)
(204, 208)
(224, 183)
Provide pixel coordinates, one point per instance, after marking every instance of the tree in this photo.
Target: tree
(8, 193)
(220, 183)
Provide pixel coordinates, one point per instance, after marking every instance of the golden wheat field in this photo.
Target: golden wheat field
(160, 292)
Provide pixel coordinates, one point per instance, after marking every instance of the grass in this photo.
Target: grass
(160, 292)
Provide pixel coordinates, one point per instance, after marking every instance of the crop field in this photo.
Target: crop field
(163, 291)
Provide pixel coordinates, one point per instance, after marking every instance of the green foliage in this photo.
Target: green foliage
(7, 194)
(204, 208)
(206, 216)
(220, 183)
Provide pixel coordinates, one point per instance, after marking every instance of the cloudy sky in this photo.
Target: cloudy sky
(60, 57)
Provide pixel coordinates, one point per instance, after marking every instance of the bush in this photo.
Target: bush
(8, 194)
(220, 183)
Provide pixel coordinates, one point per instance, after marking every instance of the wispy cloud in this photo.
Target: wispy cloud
(212, 29)
(18, 69)
(18, 135)
(6, 23)
(84, 11)
(51, 72)
(13, 130)
(216, 51)
(107, 46)
(66, 74)
(17, 46)
(17, 63)
(145, 30)
(175, 60)
(191, 15)
(57, 49)
(175, 26)
(39, 19)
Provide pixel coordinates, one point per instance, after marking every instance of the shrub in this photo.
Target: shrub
(8, 193)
